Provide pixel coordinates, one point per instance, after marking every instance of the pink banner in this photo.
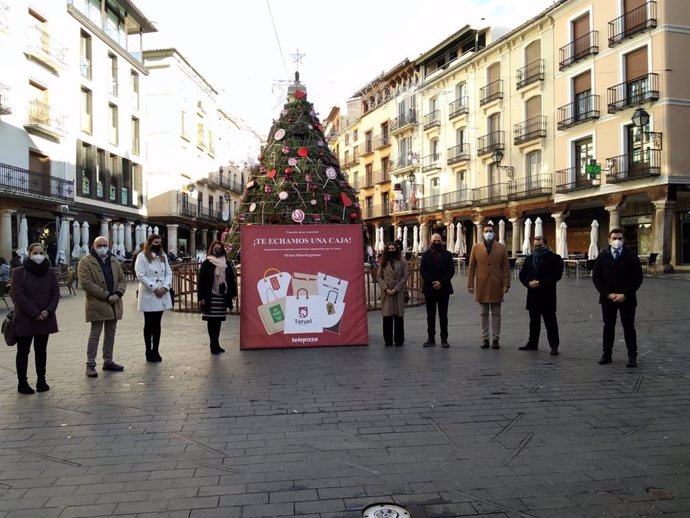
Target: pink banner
(302, 286)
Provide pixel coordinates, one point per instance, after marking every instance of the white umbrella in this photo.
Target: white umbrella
(23, 248)
(459, 240)
(156, 231)
(423, 238)
(149, 231)
(502, 232)
(113, 237)
(563, 243)
(526, 244)
(404, 241)
(84, 238)
(139, 235)
(450, 245)
(380, 245)
(63, 242)
(538, 227)
(415, 239)
(594, 241)
(399, 233)
(121, 238)
(76, 249)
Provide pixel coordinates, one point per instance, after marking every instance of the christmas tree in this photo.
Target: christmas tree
(298, 179)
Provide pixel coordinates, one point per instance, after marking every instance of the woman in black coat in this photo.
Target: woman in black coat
(216, 287)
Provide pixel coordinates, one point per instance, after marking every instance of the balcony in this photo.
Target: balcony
(433, 203)
(638, 20)
(185, 207)
(634, 166)
(224, 181)
(381, 141)
(491, 92)
(44, 49)
(367, 180)
(632, 93)
(530, 129)
(489, 143)
(459, 153)
(432, 119)
(404, 122)
(376, 211)
(45, 121)
(582, 110)
(431, 162)
(531, 73)
(458, 199)
(574, 179)
(579, 49)
(404, 163)
(5, 108)
(351, 161)
(367, 148)
(208, 214)
(28, 184)
(491, 194)
(532, 186)
(381, 176)
(459, 107)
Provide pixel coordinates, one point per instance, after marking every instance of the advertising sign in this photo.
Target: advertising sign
(302, 286)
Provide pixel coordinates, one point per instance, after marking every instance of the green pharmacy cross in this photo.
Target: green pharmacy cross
(593, 169)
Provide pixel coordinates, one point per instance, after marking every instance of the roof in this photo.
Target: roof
(383, 75)
(171, 51)
(134, 12)
(448, 41)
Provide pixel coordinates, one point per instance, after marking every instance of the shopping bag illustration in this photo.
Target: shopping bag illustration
(327, 283)
(303, 313)
(304, 281)
(334, 310)
(272, 314)
(276, 283)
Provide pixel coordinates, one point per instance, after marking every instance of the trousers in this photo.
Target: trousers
(393, 330)
(152, 329)
(610, 312)
(40, 355)
(434, 299)
(550, 323)
(109, 327)
(495, 309)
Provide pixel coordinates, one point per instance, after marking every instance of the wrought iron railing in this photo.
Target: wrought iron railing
(530, 73)
(404, 162)
(459, 198)
(225, 181)
(381, 176)
(45, 48)
(631, 93)
(5, 108)
(432, 161)
(578, 49)
(459, 107)
(638, 20)
(376, 211)
(458, 153)
(43, 115)
(381, 141)
(185, 207)
(490, 142)
(403, 121)
(432, 119)
(530, 129)
(367, 148)
(22, 182)
(491, 92)
(582, 110)
(633, 166)
(490, 194)
(573, 179)
(531, 187)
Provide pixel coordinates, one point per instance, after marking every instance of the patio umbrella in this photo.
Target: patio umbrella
(23, 248)
(76, 249)
(113, 237)
(423, 238)
(502, 232)
(459, 239)
(121, 238)
(404, 241)
(450, 244)
(538, 227)
(526, 244)
(156, 231)
(149, 231)
(593, 241)
(415, 239)
(63, 242)
(84, 238)
(399, 233)
(563, 243)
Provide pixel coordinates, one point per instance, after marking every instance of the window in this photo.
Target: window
(112, 84)
(85, 55)
(493, 123)
(433, 104)
(355, 135)
(346, 159)
(386, 167)
(39, 163)
(385, 203)
(584, 152)
(115, 179)
(134, 82)
(86, 118)
(135, 136)
(532, 169)
(433, 145)
(137, 194)
(183, 127)
(636, 71)
(200, 135)
(580, 29)
(384, 132)
(86, 168)
(460, 183)
(435, 186)
(347, 139)
(582, 90)
(211, 143)
(113, 124)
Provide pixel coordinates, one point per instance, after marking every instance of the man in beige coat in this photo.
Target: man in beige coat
(101, 278)
(488, 277)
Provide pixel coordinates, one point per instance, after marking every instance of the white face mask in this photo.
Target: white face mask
(616, 244)
(102, 251)
(38, 258)
(489, 236)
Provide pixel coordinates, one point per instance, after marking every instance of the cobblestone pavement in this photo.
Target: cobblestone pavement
(327, 432)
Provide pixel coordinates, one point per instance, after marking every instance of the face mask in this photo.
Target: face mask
(436, 246)
(539, 248)
(102, 251)
(218, 253)
(156, 248)
(616, 243)
(38, 258)
(489, 236)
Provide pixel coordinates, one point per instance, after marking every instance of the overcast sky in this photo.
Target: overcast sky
(346, 44)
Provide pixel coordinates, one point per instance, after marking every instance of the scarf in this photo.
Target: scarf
(39, 270)
(537, 256)
(220, 264)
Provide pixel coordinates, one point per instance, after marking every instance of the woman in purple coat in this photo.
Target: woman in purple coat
(36, 294)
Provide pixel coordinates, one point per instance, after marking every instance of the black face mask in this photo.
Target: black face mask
(155, 248)
(392, 254)
(436, 246)
(218, 253)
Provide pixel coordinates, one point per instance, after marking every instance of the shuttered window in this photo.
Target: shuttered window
(636, 64)
(533, 52)
(533, 107)
(582, 83)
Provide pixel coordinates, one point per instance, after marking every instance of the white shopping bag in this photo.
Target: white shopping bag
(303, 313)
(327, 283)
(333, 312)
(276, 284)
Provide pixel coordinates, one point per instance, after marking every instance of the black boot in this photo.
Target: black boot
(632, 360)
(154, 353)
(41, 385)
(23, 387)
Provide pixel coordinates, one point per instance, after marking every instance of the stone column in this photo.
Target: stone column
(515, 241)
(128, 236)
(6, 234)
(204, 238)
(214, 235)
(104, 230)
(663, 238)
(478, 230)
(559, 217)
(614, 218)
(192, 242)
(172, 238)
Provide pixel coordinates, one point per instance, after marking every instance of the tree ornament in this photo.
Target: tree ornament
(272, 173)
(312, 201)
(286, 150)
(279, 134)
(300, 94)
(252, 207)
(303, 151)
(316, 217)
(345, 199)
(353, 216)
(298, 216)
(283, 195)
(292, 161)
(267, 188)
(242, 217)
(307, 178)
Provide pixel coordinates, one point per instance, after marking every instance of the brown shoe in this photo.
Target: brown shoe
(495, 344)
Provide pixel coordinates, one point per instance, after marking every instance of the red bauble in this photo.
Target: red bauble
(353, 216)
(271, 173)
(303, 151)
(299, 94)
(288, 170)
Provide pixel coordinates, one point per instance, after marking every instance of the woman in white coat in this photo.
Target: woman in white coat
(155, 281)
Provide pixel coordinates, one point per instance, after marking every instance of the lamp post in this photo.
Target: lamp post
(413, 197)
(497, 157)
(640, 118)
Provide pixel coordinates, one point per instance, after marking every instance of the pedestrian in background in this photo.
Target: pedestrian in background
(392, 277)
(155, 282)
(488, 277)
(617, 275)
(4, 270)
(539, 274)
(36, 295)
(104, 285)
(216, 287)
(437, 269)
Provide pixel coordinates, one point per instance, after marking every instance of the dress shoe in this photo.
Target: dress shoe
(42, 386)
(495, 344)
(485, 344)
(444, 343)
(91, 371)
(25, 388)
(528, 347)
(112, 366)
(150, 357)
(388, 344)
(632, 361)
(605, 358)
(400, 344)
(157, 357)
(429, 343)
(554, 351)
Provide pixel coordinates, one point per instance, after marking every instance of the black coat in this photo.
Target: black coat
(205, 283)
(622, 276)
(548, 273)
(432, 270)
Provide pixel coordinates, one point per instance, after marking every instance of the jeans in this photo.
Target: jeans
(108, 341)
(495, 309)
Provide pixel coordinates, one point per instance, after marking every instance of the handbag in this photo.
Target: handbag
(406, 297)
(8, 329)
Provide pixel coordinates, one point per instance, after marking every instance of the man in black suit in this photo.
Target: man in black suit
(437, 269)
(539, 273)
(617, 276)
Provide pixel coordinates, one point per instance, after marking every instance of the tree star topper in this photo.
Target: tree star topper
(297, 58)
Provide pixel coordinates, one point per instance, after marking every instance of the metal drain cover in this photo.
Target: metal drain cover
(386, 511)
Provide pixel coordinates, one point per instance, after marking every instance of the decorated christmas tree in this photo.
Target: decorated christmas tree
(298, 179)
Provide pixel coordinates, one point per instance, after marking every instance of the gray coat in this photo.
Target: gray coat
(393, 277)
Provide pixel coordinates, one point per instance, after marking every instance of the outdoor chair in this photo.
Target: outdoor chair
(651, 262)
(3, 297)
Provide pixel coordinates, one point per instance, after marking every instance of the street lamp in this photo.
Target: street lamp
(497, 156)
(412, 197)
(640, 118)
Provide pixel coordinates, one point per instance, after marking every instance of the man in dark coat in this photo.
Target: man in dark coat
(437, 269)
(617, 275)
(539, 274)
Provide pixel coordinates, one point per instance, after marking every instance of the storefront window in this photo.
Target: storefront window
(684, 239)
(638, 234)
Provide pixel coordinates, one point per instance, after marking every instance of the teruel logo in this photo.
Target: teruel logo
(303, 312)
